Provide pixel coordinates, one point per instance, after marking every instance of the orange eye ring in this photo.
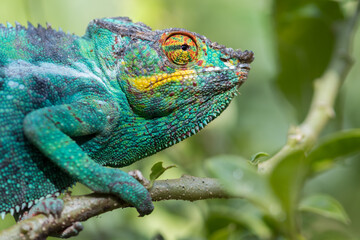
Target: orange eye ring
(180, 48)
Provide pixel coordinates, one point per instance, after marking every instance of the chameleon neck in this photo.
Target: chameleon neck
(155, 134)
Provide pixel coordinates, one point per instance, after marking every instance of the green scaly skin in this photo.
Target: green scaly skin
(71, 105)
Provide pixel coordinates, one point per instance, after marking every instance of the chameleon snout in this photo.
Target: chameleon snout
(244, 56)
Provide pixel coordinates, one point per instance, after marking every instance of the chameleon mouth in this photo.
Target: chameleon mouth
(244, 66)
(242, 71)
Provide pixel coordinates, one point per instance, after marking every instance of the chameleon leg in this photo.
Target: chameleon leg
(50, 130)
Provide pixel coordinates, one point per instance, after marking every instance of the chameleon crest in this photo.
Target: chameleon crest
(71, 105)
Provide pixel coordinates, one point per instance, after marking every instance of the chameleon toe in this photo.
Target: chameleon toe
(71, 231)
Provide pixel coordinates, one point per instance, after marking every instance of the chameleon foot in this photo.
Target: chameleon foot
(54, 207)
(47, 206)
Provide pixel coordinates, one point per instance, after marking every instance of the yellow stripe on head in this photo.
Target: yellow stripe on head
(150, 82)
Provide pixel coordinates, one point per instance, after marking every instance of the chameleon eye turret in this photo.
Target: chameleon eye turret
(180, 48)
(72, 105)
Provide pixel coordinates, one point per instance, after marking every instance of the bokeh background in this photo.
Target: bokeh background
(276, 96)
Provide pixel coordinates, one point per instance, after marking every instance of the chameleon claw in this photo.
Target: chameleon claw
(71, 231)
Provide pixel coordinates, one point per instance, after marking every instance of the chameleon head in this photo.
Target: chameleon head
(168, 70)
(174, 72)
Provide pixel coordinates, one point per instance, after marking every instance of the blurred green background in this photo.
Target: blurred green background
(292, 43)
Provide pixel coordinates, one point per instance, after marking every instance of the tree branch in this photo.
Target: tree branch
(81, 208)
(326, 89)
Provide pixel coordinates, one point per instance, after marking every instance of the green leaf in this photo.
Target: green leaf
(325, 206)
(304, 31)
(223, 233)
(255, 158)
(337, 145)
(245, 216)
(334, 234)
(286, 180)
(157, 170)
(241, 179)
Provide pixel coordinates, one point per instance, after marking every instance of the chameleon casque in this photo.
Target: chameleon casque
(71, 105)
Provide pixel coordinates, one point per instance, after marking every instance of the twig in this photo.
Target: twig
(81, 208)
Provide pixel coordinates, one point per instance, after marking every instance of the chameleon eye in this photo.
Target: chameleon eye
(180, 48)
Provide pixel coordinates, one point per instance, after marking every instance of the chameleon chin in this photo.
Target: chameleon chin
(71, 105)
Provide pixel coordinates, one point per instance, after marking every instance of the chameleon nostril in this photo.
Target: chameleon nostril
(245, 66)
(224, 59)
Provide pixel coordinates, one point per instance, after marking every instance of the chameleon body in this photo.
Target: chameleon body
(71, 105)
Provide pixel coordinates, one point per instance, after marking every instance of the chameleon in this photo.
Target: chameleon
(77, 108)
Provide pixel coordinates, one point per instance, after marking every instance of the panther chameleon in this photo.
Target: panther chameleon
(70, 105)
